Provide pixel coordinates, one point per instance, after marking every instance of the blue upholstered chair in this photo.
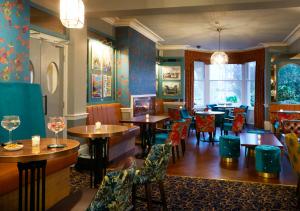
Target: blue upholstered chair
(24, 100)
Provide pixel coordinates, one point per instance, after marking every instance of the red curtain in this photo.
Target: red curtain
(257, 55)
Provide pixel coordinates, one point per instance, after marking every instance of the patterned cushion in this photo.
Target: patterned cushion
(205, 123)
(293, 147)
(155, 165)
(174, 114)
(115, 190)
(238, 111)
(291, 126)
(238, 123)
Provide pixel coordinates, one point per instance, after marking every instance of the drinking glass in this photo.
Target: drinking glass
(56, 125)
(10, 123)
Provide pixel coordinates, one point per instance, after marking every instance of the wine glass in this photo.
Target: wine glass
(56, 125)
(10, 123)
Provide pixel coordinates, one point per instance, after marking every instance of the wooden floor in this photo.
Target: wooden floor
(204, 161)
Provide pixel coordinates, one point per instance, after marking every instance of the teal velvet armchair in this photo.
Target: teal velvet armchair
(26, 101)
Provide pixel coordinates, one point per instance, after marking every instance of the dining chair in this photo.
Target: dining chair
(185, 115)
(185, 134)
(173, 135)
(293, 149)
(153, 171)
(235, 125)
(174, 114)
(115, 190)
(205, 123)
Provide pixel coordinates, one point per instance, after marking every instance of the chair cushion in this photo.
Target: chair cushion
(161, 138)
(227, 126)
(9, 176)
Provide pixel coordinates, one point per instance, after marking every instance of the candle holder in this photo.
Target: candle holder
(97, 125)
(35, 140)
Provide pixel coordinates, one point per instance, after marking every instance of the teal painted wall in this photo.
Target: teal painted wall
(14, 40)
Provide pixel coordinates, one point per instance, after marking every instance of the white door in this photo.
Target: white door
(47, 62)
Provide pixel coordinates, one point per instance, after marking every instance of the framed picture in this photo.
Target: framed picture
(106, 86)
(171, 88)
(102, 56)
(171, 72)
(96, 86)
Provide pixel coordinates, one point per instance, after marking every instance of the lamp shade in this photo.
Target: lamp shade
(72, 13)
(219, 57)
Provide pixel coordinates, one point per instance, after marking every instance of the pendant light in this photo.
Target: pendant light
(219, 57)
(72, 13)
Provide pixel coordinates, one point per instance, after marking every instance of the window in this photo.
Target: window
(250, 81)
(199, 77)
(225, 83)
(229, 83)
(288, 88)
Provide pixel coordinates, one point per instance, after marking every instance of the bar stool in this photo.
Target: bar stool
(229, 148)
(267, 161)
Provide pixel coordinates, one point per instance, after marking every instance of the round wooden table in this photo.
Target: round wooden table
(35, 160)
(99, 147)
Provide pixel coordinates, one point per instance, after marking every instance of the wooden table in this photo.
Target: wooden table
(148, 126)
(99, 147)
(250, 141)
(35, 160)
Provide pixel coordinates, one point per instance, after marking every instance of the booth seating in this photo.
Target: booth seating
(229, 148)
(267, 161)
(291, 126)
(25, 100)
(110, 114)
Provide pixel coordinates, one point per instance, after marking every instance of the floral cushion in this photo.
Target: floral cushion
(205, 123)
(115, 190)
(176, 132)
(185, 129)
(155, 165)
(293, 147)
(238, 123)
(174, 114)
(238, 111)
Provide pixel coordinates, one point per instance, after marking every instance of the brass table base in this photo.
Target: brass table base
(229, 160)
(268, 175)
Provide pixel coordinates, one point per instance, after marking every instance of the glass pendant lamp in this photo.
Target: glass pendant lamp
(72, 13)
(219, 57)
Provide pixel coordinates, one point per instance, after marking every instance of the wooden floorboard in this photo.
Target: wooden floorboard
(204, 161)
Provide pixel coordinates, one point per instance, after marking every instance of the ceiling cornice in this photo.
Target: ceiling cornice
(293, 36)
(173, 47)
(136, 25)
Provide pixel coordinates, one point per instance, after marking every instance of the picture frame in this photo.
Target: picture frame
(171, 72)
(171, 88)
(96, 89)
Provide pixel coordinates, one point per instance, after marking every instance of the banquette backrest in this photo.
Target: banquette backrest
(291, 126)
(26, 101)
(104, 113)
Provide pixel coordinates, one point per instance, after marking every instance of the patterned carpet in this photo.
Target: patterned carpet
(187, 193)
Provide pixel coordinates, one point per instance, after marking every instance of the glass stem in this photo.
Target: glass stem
(9, 136)
(56, 136)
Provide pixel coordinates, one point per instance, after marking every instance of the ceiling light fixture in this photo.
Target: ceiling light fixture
(72, 13)
(219, 57)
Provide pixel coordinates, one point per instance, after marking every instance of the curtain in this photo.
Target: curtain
(257, 55)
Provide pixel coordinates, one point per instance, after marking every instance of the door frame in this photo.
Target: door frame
(65, 45)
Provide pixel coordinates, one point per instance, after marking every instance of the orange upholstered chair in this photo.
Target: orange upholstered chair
(205, 123)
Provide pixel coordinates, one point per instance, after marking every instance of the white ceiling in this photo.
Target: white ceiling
(191, 22)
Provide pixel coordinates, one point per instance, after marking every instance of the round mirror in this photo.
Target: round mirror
(52, 77)
(31, 72)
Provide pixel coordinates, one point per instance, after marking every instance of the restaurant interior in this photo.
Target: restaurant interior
(149, 105)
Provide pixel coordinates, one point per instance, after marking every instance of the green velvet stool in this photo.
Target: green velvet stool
(229, 148)
(267, 161)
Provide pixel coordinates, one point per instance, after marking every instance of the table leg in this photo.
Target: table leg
(143, 141)
(34, 167)
(99, 156)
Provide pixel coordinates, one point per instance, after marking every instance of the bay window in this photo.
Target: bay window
(228, 83)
